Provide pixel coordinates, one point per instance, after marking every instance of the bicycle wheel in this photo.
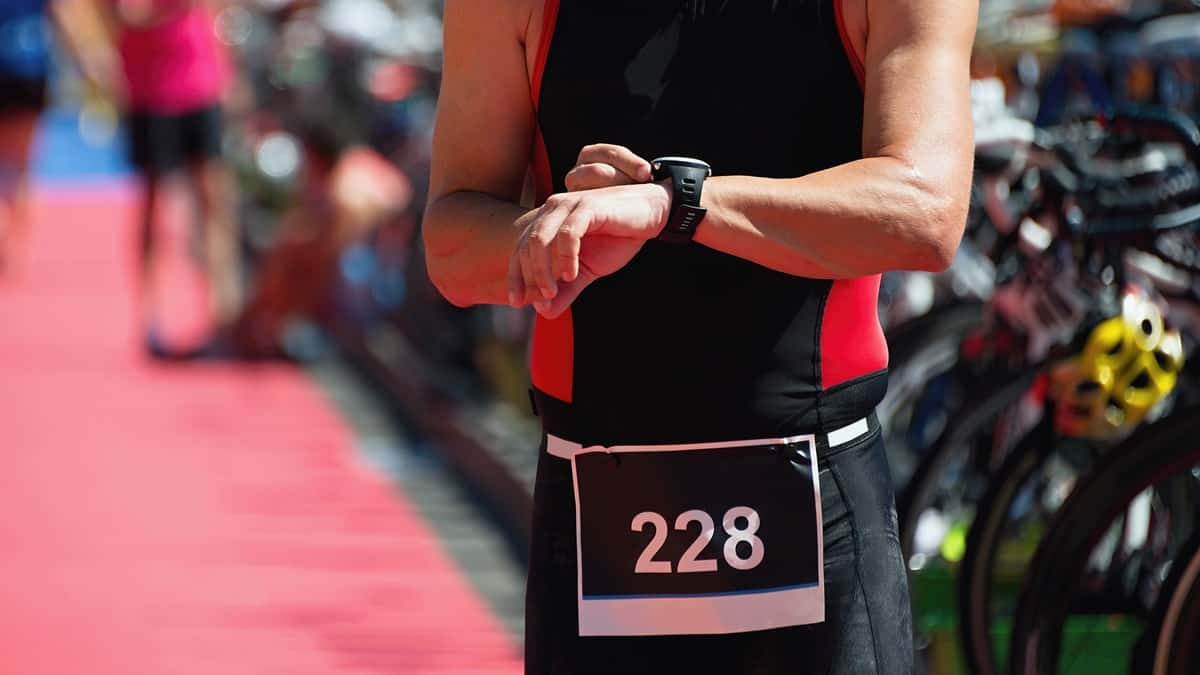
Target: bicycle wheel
(1002, 538)
(1155, 458)
(1176, 638)
(939, 500)
(951, 477)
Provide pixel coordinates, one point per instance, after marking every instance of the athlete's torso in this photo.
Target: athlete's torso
(175, 63)
(24, 38)
(686, 343)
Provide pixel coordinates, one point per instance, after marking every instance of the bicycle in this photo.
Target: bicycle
(1007, 429)
(1084, 566)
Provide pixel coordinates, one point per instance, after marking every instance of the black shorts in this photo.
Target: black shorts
(159, 142)
(18, 94)
(868, 626)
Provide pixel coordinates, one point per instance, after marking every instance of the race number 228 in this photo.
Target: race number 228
(744, 531)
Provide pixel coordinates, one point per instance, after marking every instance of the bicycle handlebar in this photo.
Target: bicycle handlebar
(1156, 125)
(1126, 196)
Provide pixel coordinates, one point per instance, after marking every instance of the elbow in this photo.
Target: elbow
(445, 286)
(936, 195)
(442, 279)
(439, 267)
(942, 217)
(939, 232)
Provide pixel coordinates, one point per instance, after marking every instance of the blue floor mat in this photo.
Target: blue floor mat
(61, 153)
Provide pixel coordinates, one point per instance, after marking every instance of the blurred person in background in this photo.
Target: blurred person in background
(176, 74)
(346, 192)
(26, 46)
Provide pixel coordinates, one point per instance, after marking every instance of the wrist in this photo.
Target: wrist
(660, 196)
(710, 201)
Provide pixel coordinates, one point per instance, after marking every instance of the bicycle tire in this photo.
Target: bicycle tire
(976, 571)
(979, 411)
(1177, 649)
(1153, 453)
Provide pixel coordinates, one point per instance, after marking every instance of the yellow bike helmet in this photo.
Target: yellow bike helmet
(1128, 365)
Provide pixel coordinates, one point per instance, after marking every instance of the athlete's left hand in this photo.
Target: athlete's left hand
(605, 165)
(578, 237)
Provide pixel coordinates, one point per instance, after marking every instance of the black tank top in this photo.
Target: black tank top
(688, 344)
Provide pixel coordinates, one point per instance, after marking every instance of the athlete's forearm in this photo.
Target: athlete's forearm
(469, 240)
(856, 219)
(904, 205)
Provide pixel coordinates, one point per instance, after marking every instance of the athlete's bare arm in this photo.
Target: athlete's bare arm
(901, 207)
(481, 147)
(86, 34)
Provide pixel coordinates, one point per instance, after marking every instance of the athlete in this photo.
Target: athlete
(25, 64)
(175, 76)
(718, 187)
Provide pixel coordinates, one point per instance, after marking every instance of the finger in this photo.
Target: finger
(520, 294)
(536, 272)
(566, 257)
(619, 157)
(568, 244)
(539, 255)
(557, 269)
(533, 291)
(596, 175)
(516, 280)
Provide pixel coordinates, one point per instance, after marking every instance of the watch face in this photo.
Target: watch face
(658, 162)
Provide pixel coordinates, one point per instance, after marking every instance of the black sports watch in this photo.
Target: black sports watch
(687, 180)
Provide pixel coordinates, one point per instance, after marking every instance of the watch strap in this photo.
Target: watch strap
(687, 184)
(681, 224)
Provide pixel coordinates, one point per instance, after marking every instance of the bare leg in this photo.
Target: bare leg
(152, 185)
(16, 138)
(212, 182)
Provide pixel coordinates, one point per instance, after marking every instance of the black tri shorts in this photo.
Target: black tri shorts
(162, 142)
(868, 626)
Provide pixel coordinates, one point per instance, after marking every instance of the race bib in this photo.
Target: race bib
(698, 539)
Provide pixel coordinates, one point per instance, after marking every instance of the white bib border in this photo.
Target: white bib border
(698, 615)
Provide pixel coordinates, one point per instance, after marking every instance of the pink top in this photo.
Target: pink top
(176, 65)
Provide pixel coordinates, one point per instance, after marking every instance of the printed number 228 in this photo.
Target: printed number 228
(691, 561)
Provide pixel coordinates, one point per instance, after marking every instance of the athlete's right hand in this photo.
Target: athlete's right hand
(599, 256)
(599, 165)
(605, 165)
(578, 237)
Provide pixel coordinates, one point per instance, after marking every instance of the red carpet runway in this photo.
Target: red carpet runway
(193, 520)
